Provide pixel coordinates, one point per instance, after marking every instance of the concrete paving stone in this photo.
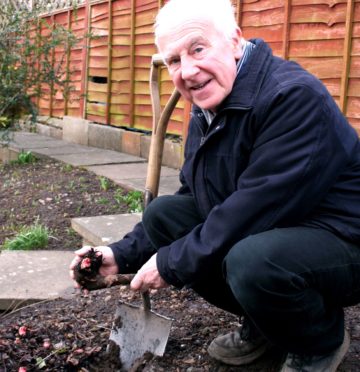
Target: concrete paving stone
(103, 230)
(128, 171)
(133, 176)
(32, 276)
(30, 143)
(65, 148)
(168, 185)
(98, 157)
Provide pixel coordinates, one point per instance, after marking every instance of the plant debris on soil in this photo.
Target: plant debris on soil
(72, 334)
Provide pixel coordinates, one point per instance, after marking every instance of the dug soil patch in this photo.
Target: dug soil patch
(72, 334)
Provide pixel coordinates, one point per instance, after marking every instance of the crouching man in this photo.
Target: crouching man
(266, 224)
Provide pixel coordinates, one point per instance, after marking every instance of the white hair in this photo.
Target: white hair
(175, 12)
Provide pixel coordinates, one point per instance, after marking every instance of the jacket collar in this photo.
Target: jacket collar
(249, 81)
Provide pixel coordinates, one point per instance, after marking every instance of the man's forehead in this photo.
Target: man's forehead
(174, 47)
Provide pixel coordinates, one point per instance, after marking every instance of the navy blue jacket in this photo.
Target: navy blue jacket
(278, 153)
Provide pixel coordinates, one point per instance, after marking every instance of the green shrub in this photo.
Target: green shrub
(29, 238)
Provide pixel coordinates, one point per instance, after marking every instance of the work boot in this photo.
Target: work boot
(317, 363)
(242, 346)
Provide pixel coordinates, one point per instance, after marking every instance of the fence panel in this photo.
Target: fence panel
(113, 72)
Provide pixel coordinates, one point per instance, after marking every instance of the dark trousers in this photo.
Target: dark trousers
(292, 283)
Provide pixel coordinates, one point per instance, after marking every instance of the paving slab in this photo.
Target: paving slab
(98, 157)
(168, 185)
(103, 230)
(33, 276)
(133, 176)
(33, 143)
(65, 148)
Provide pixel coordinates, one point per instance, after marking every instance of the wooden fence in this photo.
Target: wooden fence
(109, 72)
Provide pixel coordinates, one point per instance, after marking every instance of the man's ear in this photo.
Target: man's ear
(236, 41)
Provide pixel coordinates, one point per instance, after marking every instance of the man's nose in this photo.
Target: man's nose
(189, 68)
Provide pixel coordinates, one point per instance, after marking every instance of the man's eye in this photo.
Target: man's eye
(198, 49)
(173, 61)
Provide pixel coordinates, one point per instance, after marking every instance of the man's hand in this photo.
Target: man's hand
(148, 277)
(108, 266)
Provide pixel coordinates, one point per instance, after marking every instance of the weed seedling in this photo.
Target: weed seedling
(103, 201)
(67, 167)
(133, 199)
(104, 183)
(25, 157)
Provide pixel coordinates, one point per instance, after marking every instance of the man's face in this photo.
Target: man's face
(201, 61)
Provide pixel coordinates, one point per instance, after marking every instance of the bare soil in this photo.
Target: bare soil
(72, 334)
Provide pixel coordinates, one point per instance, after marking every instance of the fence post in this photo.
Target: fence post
(346, 55)
(286, 30)
(84, 58)
(132, 64)
(109, 66)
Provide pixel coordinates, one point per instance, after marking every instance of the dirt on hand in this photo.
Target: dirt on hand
(73, 334)
(86, 273)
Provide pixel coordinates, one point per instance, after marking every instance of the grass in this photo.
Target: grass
(29, 238)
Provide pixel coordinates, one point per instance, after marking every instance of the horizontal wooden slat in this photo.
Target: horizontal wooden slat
(119, 120)
(119, 109)
(329, 3)
(318, 48)
(323, 68)
(98, 62)
(120, 62)
(353, 107)
(96, 118)
(102, 72)
(95, 109)
(120, 87)
(259, 6)
(120, 99)
(355, 67)
(265, 18)
(93, 96)
(354, 87)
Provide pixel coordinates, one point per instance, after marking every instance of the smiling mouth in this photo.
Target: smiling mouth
(200, 86)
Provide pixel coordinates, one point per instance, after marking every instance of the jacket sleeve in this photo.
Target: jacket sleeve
(133, 250)
(299, 151)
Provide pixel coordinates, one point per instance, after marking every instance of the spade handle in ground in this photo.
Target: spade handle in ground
(125, 279)
(146, 300)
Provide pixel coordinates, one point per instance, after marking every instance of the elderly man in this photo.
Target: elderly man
(266, 224)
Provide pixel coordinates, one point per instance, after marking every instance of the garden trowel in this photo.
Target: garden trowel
(138, 332)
